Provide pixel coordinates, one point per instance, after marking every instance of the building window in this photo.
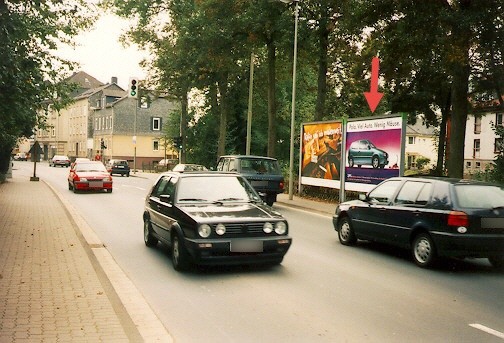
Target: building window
(144, 102)
(411, 140)
(411, 161)
(476, 148)
(498, 119)
(498, 145)
(468, 164)
(156, 124)
(155, 145)
(477, 124)
(478, 165)
(53, 132)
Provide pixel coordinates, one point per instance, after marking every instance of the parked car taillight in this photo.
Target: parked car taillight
(281, 185)
(457, 218)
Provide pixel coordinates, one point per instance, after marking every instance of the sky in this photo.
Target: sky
(102, 56)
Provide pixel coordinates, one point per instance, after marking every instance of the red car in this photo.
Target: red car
(89, 175)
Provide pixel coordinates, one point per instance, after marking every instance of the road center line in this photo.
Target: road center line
(488, 330)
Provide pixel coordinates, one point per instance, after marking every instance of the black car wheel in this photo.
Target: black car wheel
(497, 262)
(350, 162)
(180, 256)
(149, 240)
(70, 186)
(346, 233)
(423, 250)
(375, 162)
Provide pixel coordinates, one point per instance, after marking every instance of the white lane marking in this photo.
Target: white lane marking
(140, 188)
(488, 330)
(306, 210)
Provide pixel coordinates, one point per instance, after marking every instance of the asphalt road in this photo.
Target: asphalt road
(322, 292)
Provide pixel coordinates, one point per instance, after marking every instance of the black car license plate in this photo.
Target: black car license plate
(245, 245)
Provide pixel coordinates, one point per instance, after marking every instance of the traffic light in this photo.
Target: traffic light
(133, 87)
(177, 142)
(102, 144)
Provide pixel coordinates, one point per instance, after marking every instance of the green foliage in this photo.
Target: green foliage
(30, 73)
(421, 162)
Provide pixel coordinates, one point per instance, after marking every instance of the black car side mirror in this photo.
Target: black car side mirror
(165, 198)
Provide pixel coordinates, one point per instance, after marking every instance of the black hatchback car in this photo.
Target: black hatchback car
(211, 218)
(433, 217)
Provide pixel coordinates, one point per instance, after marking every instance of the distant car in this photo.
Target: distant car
(211, 218)
(189, 167)
(262, 172)
(432, 217)
(59, 160)
(166, 164)
(89, 175)
(120, 167)
(363, 152)
(21, 156)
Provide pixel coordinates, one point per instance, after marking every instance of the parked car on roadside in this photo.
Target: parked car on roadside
(363, 152)
(89, 176)
(21, 156)
(211, 218)
(432, 217)
(59, 160)
(120, 167)
(189, 167)
(262, 172)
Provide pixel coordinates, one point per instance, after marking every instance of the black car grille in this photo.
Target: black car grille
(244, 229)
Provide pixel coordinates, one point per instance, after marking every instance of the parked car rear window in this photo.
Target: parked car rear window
(476, 196)
(259, 166)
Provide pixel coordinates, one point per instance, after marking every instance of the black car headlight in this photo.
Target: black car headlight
(220, 229)
(280, 228)
(268, 227)
(204, 230)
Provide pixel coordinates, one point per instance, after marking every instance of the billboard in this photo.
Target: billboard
(321, 154)
(373, 151)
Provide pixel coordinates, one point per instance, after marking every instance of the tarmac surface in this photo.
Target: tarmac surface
(58, 283)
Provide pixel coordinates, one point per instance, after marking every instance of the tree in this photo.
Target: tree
(31, 74)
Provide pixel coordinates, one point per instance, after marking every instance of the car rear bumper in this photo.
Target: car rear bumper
(218, 252)
(83, 186)
(457, 245)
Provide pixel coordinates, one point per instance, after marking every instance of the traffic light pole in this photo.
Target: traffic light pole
(135, 137)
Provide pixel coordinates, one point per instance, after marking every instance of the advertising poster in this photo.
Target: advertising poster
(372, 152)
(321, 154)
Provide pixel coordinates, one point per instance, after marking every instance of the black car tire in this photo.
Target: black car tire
(149, 240)
(497, 262)
(350, 162)
(346, 233)
(127, 175)
(375, 162)
(70, 186)
(109, 190)
(180, 255)
(423, 250)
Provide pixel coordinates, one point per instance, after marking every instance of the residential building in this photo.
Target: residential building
(118, 124)
(481, 142)
(103, 113)
(421, 141)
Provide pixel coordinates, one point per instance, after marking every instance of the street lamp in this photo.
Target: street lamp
(293, 113)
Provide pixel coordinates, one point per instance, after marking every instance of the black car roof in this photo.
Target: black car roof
(452, 181)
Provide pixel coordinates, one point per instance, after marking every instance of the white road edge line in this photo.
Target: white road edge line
(304, 210)
(488, 330)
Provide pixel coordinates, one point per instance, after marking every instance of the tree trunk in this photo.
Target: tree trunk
(223, 90)
(271, 99)
(322, 68)
(460, 88)
(183, 125)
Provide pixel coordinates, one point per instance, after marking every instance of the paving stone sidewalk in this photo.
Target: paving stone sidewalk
(52, 288)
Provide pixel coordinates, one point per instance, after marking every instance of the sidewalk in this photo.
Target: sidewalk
(57, 281)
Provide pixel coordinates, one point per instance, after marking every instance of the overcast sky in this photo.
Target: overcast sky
(102, 56)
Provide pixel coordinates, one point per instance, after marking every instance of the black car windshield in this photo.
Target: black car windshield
(214, 189)
(479, 196)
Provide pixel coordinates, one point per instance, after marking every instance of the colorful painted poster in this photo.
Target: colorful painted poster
(321, 154)
(372, 151)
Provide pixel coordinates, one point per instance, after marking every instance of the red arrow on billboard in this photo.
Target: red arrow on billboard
(373, 97)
